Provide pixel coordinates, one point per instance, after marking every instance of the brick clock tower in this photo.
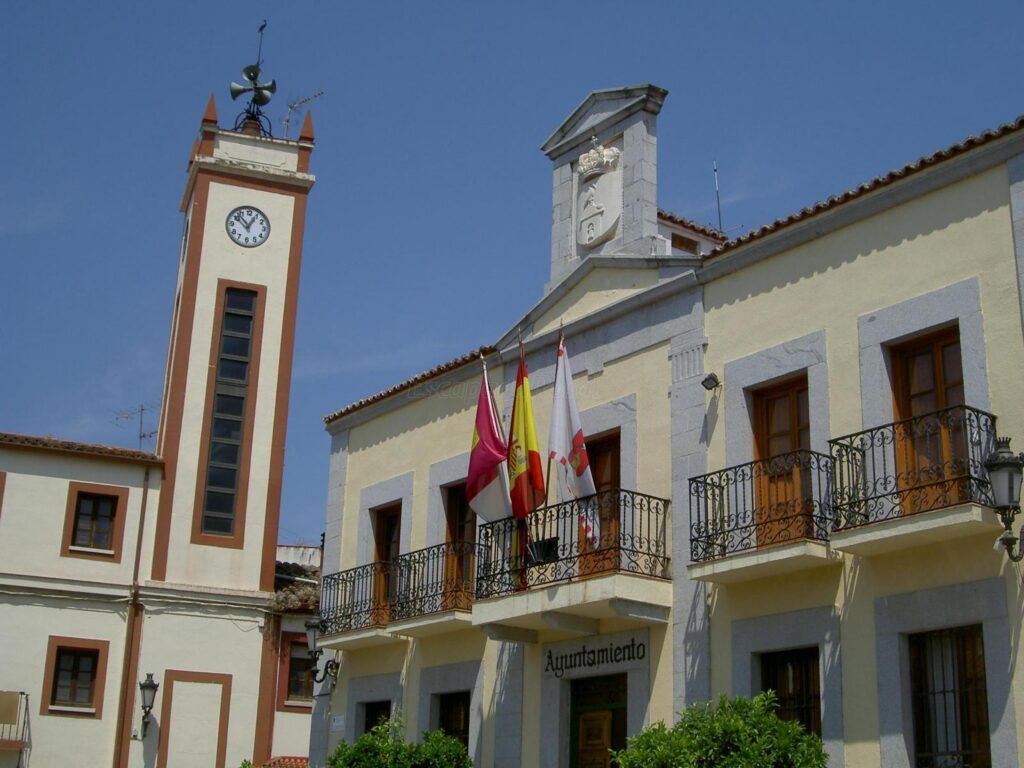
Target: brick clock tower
(201, 620)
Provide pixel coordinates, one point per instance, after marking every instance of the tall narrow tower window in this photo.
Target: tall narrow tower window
(227, 432)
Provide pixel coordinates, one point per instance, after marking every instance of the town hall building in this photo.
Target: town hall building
(789, 434)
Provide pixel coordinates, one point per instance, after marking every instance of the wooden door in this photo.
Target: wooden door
(388, 527)
(782, 479)
(597, 719)
(460, 536)
(595, 739)
(930, 440)
(599, 553)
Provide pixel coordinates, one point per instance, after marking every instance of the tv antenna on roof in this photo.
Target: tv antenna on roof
(718, 197)
(139, 412)
(295, 107)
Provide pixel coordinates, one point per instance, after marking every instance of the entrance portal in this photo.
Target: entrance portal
(598, 720)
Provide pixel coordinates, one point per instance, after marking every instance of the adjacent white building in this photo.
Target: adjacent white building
(118, 564)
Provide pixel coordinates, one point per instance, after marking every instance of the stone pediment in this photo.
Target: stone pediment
(602, 110)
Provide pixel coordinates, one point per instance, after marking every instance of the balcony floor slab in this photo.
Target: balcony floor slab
(603, 597)
(918, 529)
(432, 624)
(759, 563)
(359, 638)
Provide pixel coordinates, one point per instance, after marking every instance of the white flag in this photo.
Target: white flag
(567, 448)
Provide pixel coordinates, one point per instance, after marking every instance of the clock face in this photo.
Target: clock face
(248, 226)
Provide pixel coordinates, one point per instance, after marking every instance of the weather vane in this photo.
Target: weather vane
(261, 92)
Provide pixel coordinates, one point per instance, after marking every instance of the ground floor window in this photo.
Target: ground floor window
(794, 677)
(453, 715)
(949, 699)
(598, 720)
(374, 713)
(300, 672)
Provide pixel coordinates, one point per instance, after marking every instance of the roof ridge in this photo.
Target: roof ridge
(49, 442)
(920, 164)
(419, 378)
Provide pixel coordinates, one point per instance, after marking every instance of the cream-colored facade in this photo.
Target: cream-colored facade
(855, 539)
(116, 564)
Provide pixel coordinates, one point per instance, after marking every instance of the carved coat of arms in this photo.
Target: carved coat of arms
(599, 203)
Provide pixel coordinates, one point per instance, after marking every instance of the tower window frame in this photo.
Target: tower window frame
(229, 415)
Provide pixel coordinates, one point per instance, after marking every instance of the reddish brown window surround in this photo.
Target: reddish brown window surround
(236, 538)
(63, 696)
(79, 491)
(172, 676)
(292, 675)
(3, 482)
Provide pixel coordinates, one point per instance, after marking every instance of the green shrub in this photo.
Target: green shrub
(737, 733)
(382, 747)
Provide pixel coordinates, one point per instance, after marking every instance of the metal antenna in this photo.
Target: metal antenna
(259, 48)
(718, 197)
(139, 412)
(261, 93)
(294, 107)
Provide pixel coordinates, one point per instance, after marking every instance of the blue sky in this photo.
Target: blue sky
(428, 231)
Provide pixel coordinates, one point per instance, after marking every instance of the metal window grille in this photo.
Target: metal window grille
(949, 699)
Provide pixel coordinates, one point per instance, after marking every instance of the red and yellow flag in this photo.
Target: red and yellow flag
(525, 475)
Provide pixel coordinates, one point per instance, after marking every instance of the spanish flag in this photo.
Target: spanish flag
(525, 476)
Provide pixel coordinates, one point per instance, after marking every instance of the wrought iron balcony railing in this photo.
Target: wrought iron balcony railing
(914, 465)
(762, 503)
(438, 578)
(355, 599)
(612, 532)
(435, 579)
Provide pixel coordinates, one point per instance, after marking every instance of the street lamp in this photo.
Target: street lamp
(1005, 470)
(148, 688)
(313, 628)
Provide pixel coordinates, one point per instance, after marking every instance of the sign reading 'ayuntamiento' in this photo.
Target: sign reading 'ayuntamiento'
(594, 655)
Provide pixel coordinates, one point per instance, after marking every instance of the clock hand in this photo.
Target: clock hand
(244, 223)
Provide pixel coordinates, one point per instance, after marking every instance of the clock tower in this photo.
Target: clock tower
(225, 402)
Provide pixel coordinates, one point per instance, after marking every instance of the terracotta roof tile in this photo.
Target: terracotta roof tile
(287, 761)
(922, 163)
(297, 569)
(703, 229)
(72, 446)
(433, 373)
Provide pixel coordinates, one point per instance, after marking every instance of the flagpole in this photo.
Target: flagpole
(547, 477)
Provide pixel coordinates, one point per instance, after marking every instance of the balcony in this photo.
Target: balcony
(420, 593)
(14, 728)
(761, 518)
(433, 589)
(569, 565)
(914, 481)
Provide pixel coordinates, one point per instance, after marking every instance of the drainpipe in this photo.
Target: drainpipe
(132, 647)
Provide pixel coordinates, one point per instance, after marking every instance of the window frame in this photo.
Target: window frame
(284, 658)
(443, 699)
(362, 705)
(215, 386)
(68, 548)
(808, 658)
(920, 712)
(54, 646)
